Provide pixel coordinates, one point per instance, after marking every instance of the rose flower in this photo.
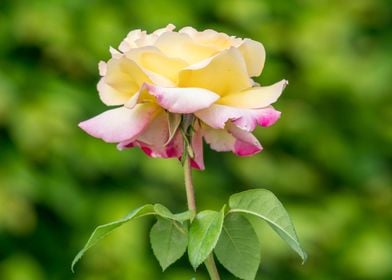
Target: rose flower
(165, 79)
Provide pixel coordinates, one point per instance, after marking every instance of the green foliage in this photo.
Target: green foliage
(264, 204)
(230, 236)
(169, 239)
(103, 230)
(238, 248)
(203, 235)
(166, 213)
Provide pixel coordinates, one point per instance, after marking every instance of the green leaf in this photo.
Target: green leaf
(238, 248)
(203, 235)
(183, 216)
(103, 230)
(265, 205)
(163, 211)
(169, 240)
(166, 213)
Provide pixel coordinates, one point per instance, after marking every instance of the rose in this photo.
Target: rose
(164, 78)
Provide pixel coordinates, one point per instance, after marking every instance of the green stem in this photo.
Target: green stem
(190, 193)
(190, 196)
(211, 267)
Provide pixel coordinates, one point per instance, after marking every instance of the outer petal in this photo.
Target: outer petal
(138, 38)
(252, 117)
(182, 100)
(168, 28)
(120, 124)
(219, 139)
(211, 38)
(246, 143)
(216, 116)
(254, 55)
(173, 149)
(156, 140)
(130, 41)
(157, 133)
(102, 68)
(233, 139)
(256, 97)
(224, 73)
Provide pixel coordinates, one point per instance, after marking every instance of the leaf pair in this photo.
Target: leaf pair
(170, 237)
(229, 234)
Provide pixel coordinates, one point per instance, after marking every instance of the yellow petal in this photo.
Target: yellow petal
(256, 97)
(179, 45)
(152, 59)
(223, 74)
(210, 38)
(122, 80)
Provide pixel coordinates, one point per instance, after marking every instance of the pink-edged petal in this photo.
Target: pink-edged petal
(240, 142)
(182, 100)
(252, 117)
(254, 56)
(216, 116)
(173, 149)
(156, 140)
(255, 97)
(120, 124)
(246, 143)
(197, 147)
(219, 140)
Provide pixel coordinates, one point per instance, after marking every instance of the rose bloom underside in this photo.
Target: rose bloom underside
(155, 79)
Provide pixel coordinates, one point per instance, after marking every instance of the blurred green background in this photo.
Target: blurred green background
(328, 159)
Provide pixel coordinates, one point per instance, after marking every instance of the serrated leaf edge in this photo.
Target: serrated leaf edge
(221, 212)
(174, 223)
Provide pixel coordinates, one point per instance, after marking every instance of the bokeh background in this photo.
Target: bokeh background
(328, 159)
